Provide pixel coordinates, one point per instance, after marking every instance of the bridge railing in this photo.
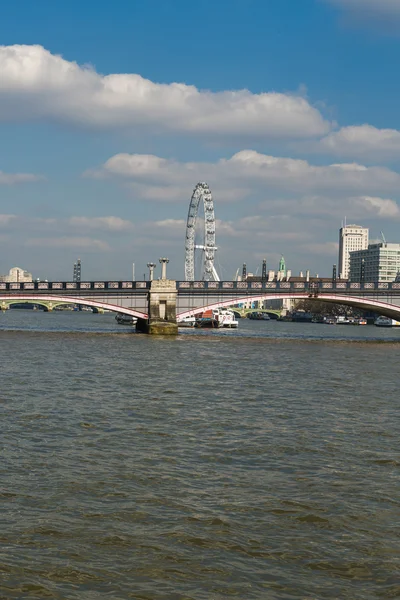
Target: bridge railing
(58, 286)
(285, 286)
(199, 286)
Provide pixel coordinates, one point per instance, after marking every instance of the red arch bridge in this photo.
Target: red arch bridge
(133, 297)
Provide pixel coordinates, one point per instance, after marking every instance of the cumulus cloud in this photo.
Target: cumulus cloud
(381, 207)
(286, 205)
(325, 248)
(103, 223)
(77, 243)
(14, 178)
(381, 15)
(247, 171)
(36, 84)
(362, 141)
(5, 220)
(384, 8)
(172, 224)
(354, 207)
(111, 225)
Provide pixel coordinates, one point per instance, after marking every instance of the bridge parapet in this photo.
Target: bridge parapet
(194, 286)
(74, 285)
(285, 286)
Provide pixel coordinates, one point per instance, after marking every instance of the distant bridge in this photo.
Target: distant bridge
(132, 297)
(245, 312)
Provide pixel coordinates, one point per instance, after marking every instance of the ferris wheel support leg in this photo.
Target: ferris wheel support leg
(215, 274)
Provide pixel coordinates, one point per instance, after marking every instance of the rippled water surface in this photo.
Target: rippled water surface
(261, 463)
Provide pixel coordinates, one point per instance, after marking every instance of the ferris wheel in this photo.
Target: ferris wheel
(207, 246)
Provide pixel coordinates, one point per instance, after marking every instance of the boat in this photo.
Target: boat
(207, 319)
(217, 318)
(330, 321)
(320, 319)
(226, 318)
(343, 321)
(123, 319)
(300, 316)
(361, 321)
(351, 321)
(188, 321)
(259, 316)
(386, 322)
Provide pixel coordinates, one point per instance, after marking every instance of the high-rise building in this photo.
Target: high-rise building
(379, 262)
(351, 238)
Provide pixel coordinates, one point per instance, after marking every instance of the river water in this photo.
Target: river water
(261, 463)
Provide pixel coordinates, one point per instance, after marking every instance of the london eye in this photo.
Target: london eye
(205, 247)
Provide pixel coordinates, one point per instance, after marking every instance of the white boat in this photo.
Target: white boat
(343, 321)
(188, 321)
(386, 322)
(123, 319)
(225, 318)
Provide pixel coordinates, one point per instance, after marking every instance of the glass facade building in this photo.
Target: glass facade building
(381, 263)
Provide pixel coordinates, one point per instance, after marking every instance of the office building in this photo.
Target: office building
(16, 274)
(351, 239)
(379, 262)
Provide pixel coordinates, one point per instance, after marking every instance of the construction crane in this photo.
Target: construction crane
(383, 238)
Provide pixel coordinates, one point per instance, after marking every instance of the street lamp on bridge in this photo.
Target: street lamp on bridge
(151, 266)
(362, 271)
(164, 262)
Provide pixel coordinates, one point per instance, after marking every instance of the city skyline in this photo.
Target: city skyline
(100, 161)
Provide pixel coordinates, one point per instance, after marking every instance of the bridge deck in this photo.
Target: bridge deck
(131, 297)
(192, 287)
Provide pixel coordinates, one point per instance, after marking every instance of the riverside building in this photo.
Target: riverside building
(379, 262)
(351, 239)
(16, 274)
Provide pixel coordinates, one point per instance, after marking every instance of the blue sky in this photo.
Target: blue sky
(111, 112)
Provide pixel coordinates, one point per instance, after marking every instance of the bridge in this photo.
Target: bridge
(163, 301)
(245, 312)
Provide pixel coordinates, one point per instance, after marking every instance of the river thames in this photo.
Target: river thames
(261, 463)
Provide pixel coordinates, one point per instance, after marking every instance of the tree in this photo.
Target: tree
(319, 307)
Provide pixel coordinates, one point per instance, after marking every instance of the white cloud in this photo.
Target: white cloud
(362, 141)
(103, 223)
(14, 178)
(354, 207)
(36, 84)
(324, 248)
(5, 220)
(77, 243)
(384, 8)
(381, 207)
(249, 171)
(111, 225)
(172, 224)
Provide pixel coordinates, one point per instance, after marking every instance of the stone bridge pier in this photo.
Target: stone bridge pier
(161, 306)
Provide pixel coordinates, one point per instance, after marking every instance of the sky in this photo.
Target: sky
(110, 113)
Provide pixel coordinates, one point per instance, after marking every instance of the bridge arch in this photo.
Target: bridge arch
(45, 300)
(50, 305)
(244, 312)
(383, 308)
